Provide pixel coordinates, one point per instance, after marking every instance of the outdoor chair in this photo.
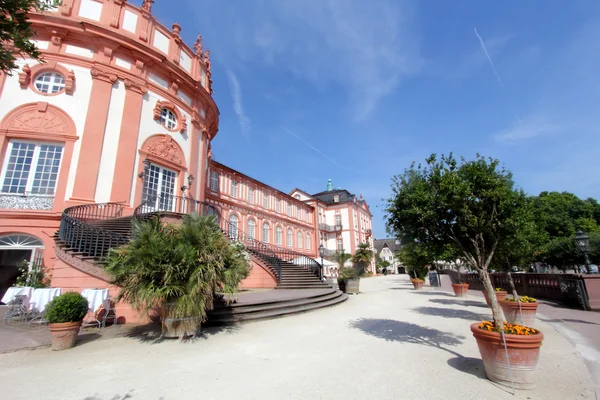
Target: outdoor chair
(34, 316)
(109, 312)
(16, 308)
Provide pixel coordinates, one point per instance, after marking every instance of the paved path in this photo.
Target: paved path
(390, 342)
(581, 328)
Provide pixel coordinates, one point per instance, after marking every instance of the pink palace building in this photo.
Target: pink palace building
(117, 123)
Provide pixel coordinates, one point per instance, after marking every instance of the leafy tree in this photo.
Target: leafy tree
(415, 258)
(178, 267)
(16, 31)
(471, 206)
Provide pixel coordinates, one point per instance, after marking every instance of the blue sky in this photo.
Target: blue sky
(354, 90)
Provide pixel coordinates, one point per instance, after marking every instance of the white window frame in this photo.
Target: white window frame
(278, 235)
(251, 232)
(307, 245)
(52, 83)
(299, 239)
(278, 205)
(290, 238)
(234, 188)
(266, 232)
(265, 200)
(251, 195)
(214, 181)
(168, 118)
(34, 164)
(233, 227)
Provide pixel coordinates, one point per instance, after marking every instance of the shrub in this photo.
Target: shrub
(510, 329)
(349, 273)
(68, 307)
(524, 299)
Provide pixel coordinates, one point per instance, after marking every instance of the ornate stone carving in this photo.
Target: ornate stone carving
(198, 48)
(39, 119)
(147, 5)
(181, 119)
(70, 82)
(206, 60)
(139, 87)
(25, 76)
(65, 7)
(166, 148)
(103, 75)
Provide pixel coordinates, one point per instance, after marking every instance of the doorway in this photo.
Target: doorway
(15, 251)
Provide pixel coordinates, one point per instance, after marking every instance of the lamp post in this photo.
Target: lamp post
(583, 244)
(321, 253)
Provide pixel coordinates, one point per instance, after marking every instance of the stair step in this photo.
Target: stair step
(280, 312)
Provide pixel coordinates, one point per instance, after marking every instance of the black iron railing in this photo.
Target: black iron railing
(171, 204)
(93, 241)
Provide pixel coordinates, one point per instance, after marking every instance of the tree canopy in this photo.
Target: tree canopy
(16, 32)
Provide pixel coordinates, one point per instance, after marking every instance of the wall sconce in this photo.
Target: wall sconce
(146, 168)
(190, 179)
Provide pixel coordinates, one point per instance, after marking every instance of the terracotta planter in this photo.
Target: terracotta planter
(523, 354)
(499, 295)
(418, 284)
(526, 316)
(460, 289)
(64, 335)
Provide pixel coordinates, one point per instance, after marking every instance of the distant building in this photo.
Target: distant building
(386, 249)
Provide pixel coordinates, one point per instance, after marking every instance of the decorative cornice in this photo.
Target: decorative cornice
(104, 76)
(25, 76)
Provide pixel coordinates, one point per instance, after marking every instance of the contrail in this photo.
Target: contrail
(488, 56)
(312, 147)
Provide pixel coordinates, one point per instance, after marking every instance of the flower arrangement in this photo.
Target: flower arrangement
(499, 289)
(416, 280)
(524, 299)
(510, 329)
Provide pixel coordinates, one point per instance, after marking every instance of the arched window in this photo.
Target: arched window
(233, 226)
(50, 82)
(266, 233)
(299, 240)
(168, 118)
(290, 236)
(278, 235)
(307, 241)
(251, 229)
(214, 181)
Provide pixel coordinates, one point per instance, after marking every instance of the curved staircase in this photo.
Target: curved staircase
(88, 232)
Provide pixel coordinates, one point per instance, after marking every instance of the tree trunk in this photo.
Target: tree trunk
(497, 312)
(512, 286)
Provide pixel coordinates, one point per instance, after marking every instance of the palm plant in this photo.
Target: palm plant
(177, 267)
(362, 257)
(341, 257)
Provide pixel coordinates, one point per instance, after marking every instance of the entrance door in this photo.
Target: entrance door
(159, 188)
(15, 250)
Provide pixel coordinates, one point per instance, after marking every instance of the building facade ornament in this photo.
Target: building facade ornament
(135, 86)
(164, 147)
(181, 119)
(104, 76)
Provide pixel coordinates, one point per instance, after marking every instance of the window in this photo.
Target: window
(233, 226)
(299, 240)
(278, 234)
(159, 188)
(289, 238)
(266, 233)
(289, 209)
(251, 229)
(336, 198)
(340, 244)
(338, 220)
(278, 205)
(307, 241)
(31, 168)
(265, 200)
(297, 196)
(251, 196)
(214, 181)
(168, 118)
(234, 188)
(50, 82)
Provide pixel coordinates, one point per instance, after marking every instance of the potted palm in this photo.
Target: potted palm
(65, 315)
(178, 268)
(341, 257)
(361, 260)
(474, 207)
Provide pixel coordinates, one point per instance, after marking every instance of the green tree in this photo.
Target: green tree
(340, 258)
(177, 265)
(362, 257)
(16, 31)
(472, 206)
(415, 258)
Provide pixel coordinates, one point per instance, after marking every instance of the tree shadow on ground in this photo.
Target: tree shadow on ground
(151, 333)
(406, 332)
(115, 397)
(451, 313)
(577, 321)
(468, 303)
(428, 292)
(468, 365)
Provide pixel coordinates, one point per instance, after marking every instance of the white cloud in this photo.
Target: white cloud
(528, 129)
(238, 107)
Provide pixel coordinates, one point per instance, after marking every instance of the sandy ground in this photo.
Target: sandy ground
(390, 342)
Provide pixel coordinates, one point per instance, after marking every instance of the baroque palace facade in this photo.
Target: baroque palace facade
(121, 111)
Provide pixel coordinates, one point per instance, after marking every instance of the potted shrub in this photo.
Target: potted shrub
(65, 314)
(460, 289)
(341, 257)
(521, 310)
(417, 283)
(178, 268)
(474, 207)
(499, 292)
(349, 280)
(361, 259)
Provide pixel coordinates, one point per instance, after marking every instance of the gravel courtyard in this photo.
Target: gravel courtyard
(390, 342)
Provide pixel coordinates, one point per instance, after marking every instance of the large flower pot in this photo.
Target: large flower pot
(525, 316)
(523, 354)
(460, 289)
(342, 285)
(501, 295)
(418, 284)
(352, 286)
(64, 334)
(179, 327)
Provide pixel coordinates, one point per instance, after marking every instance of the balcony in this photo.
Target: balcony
(330, 228)
(26, 201)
